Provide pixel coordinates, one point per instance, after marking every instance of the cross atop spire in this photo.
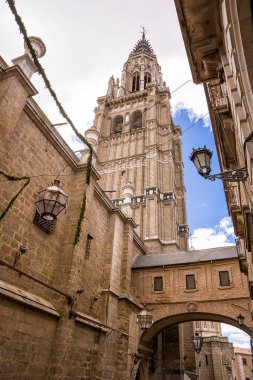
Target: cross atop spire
(143, 45)
(144, 32)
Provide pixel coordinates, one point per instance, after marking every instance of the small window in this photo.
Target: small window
(224, 278)
(136, 120)
(190, 281)
(87, 248)
(147, 79)
(117, 124)
(136, 82)
(206, 360)
(244, 361)
(158, 284)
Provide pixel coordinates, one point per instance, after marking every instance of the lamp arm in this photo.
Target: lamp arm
(237, 175)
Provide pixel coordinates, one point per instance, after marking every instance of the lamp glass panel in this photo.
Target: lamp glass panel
(197, 343)
(57, 208)
(40, 196)
(61, 198)
(51, 195)
(40, 206)
(201, 159)
(48, 205)
(62, 211)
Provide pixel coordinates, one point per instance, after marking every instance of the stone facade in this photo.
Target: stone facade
(219, 43)
(139, 152)
(243, 363)
(63, 314)
(69, 313)
(216, 359)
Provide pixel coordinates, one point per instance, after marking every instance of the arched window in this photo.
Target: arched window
(136, 120)
(147, 79)
(117, 124)
(136, 82)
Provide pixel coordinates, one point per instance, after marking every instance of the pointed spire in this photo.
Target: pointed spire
(143, 45)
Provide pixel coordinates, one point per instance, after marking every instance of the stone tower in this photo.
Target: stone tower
(138, 151)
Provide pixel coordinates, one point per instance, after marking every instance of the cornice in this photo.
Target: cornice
(17, 72)
(3, 64)
(110, 206)
(139, 242)
(50, 132)
(39, 118)
(122, 297)
(131, 97)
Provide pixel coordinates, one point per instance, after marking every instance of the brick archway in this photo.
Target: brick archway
(168, 315)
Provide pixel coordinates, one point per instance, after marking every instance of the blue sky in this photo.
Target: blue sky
(87, 42)
(201, 194)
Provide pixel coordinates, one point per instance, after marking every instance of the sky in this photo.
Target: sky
(87, 42)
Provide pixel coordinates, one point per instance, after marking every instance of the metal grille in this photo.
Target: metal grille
(48, 226)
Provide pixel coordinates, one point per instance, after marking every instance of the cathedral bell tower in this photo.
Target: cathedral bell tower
(138, 150)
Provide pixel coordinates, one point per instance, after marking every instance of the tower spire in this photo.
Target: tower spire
(143, 45)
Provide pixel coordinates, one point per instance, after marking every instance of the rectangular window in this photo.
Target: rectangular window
(158, 284)
(190, 281)
(224, 278)
(206, 360)
(244, 361)
(87, 248)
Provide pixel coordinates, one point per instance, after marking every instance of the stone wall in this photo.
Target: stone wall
(63, 314)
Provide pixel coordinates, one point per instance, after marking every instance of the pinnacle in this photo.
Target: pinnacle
(143, 46)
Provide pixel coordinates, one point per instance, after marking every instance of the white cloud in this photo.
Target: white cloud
(225, 224)
(81, 58)
(236, 336)
(176, 71)
(212, 237)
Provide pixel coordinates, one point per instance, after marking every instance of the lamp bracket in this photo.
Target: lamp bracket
(232, 176)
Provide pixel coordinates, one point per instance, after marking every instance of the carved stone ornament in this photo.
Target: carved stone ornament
(38, 45)
(191, 307)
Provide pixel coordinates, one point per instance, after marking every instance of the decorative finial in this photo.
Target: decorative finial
(144, 31)
(38, 45)
(25, 61)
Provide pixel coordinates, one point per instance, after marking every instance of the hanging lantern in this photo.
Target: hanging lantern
(240, 319)
(201, 158)
(197, 342)
(52, 202)
(144, 319)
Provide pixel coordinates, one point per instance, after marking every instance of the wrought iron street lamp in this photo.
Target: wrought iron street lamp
(144, 319)
(201, 158)
(197, 342)
(240, 319)
(52, 202)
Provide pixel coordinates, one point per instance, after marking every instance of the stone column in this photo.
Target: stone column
(128, 192)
